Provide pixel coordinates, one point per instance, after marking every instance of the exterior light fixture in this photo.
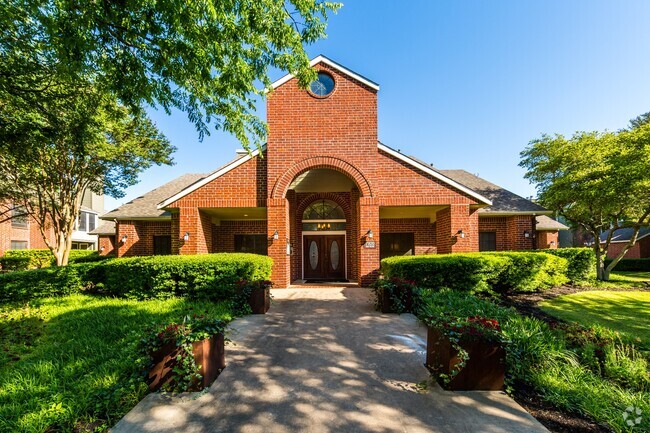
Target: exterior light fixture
(552, 243)
(276, 235)
(186, 236)
(526, 234)
(124, 238)
(102, 248)
(288, 247)
(461, 234)
(370, 234)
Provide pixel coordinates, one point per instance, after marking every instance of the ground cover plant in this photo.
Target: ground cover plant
(72, 361)
(625, 312)
(580, 369)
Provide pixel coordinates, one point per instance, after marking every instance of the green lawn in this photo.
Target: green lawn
(625, 312)
(68, 362)
(623, 280)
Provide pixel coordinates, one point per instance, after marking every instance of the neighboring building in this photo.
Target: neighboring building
(640, 250)
(22, 233)
(324, 198)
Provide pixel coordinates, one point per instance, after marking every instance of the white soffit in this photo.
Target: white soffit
(434, 173)
(332, 64)
(236, 163)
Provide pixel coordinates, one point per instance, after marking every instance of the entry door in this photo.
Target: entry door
(324, 257)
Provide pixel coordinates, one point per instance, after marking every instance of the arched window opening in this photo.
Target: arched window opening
(323, 215)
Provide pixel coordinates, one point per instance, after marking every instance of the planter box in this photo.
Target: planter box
(209, 354)
(260, 300)
(387, 305)
(485, 369)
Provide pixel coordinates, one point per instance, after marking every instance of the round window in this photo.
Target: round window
(323, 86)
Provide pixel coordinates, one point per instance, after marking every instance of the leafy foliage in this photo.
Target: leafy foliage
(21, 260)
(207, 58)
(529, 272)
(597, 181)
(581, 262)
(393, 295)
(632, 265)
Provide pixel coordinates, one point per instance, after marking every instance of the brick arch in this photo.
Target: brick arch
(335, 197)
(282, 184)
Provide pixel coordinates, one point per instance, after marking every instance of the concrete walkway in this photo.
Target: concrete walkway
(323, 361)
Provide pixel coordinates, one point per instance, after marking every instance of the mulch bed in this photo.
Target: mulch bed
(554, 419)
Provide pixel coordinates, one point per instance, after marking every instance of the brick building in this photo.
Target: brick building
(324, 197)
(620, 239)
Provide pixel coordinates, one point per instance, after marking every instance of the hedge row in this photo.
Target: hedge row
(208, 276)
(475, 272)
(631, 265)
(22, 260)
(582, 262)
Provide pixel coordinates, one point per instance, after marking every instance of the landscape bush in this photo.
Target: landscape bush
(478, 272)
(581, 262)
(555, 362)
(22, 260)
(205, 276)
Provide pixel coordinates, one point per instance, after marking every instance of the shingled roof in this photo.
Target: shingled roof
(146, 206)
(105, 228)
(544, 223)
(624, 235)
(503, 201)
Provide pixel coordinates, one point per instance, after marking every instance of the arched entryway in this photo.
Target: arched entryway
(324, 241)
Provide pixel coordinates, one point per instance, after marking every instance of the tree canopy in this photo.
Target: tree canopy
(596, 180)
(207, 58)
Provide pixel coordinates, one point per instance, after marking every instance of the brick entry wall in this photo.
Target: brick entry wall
(140, 235)
(223, 235)
(424, 232)
(509, 231)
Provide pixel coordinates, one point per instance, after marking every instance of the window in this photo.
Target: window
(487, 241)
(92, 220)
(82, 225)
(18, 218)
(323, 210)
(396, 244)
(18, 245)
(83, 246)
(256, 244)
(162, 245)
(323, 85)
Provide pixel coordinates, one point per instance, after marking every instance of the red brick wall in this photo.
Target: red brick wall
(31, 234)
(515, 228)
(548, 239)
(497, 225)
(223, 235)
(424, 232)
(616, 248)
(108, 242)
(140, 235)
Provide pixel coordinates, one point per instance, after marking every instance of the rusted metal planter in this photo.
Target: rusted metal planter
(209, 354)
(388, 305)
(485, 368)
(260, 300)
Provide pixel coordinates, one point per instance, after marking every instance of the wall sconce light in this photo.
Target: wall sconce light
(370, 234)
(526, 234)
(288, 247)
(552, 243)
(124, 238)
(461, 234)
(186, 236)
(102, 248)
(276, 235)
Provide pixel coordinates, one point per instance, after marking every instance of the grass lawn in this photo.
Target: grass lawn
(68, 362)
(623, 280)
(625, 312)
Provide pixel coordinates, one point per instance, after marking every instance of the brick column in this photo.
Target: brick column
(191, 221)
(368, 257)
(515, 228)
(278, 219)
(449, 221)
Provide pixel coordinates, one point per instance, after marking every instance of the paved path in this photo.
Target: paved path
(323, 361)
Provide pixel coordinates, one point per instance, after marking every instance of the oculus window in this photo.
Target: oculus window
(323, 85)
(396, 244)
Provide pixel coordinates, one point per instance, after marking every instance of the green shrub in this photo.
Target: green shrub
(209, 276)
(11, 264)
(85, 256)
(41, 283)
(471, 272)
(529, 272)
(34, 259)
(642, 265)
(582, 262)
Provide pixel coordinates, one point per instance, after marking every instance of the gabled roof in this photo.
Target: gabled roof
(435, 173)
(145, 206)
(241, 158)
(331, 63)
(624, 235)
(545, 223)
(504, 202)
(105, 228)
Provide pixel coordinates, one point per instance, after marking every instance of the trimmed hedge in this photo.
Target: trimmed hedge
(642, 265)
(22, 260)
(476, 272)
(208, 276)
(582, 262)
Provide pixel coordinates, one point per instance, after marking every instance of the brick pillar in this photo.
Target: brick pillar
(278, 219)
(175, 233)
(449, 221)
(294, 239)
(368, 257)
(515, 228)
(191, 221)
(548, 240)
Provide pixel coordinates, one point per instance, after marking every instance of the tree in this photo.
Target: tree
(597, 181)
(66, 138)
(208, 58)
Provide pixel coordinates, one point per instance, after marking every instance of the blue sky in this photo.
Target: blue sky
(467, 84)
